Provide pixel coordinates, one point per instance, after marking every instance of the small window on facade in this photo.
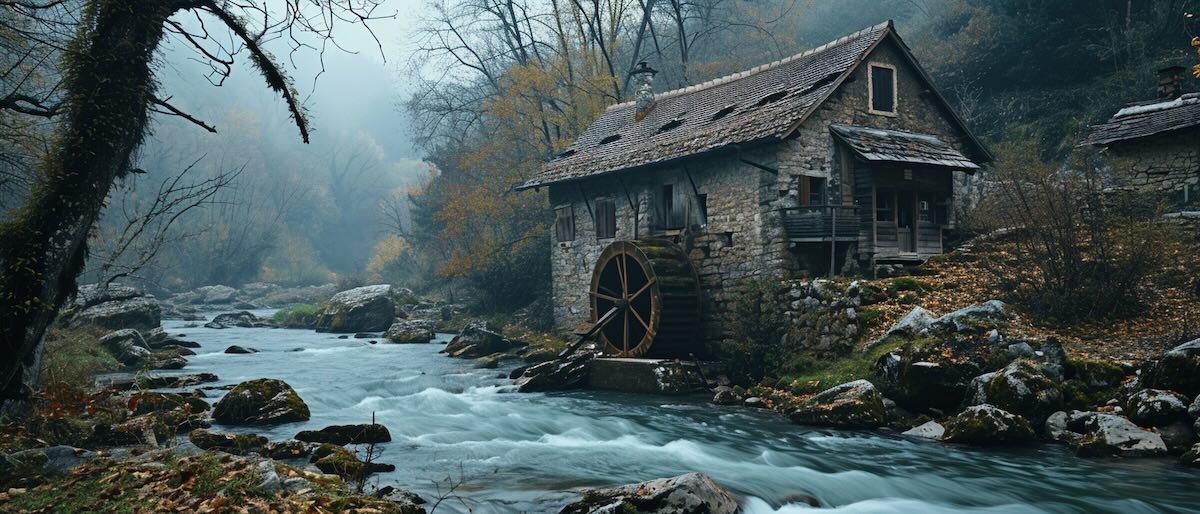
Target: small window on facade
(670, 209)
(882, 79)
(606, 218)
(812, 191)
(702, 209)
(925, 205)
(564, 223)
(885, 205)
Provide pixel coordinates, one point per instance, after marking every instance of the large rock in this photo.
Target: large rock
(1021, 388)
(1156, 407)
(928, 430)
(237, 444)
(565, 372)
(127, 346)
(693, 493)
(478, 339)
(925, 378)
(330, 458)
(1094, 434)
(347, 434)
(260, 402)
(216, 295)
(851, 405)
(141, 313)
(362, 309)
(96, 294)
(914, 324)
(975, 319)
(1176, 370)
(988, 425)
(410, 331)
(241, 319)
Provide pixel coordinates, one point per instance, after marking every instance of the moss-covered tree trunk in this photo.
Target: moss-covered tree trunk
(43, 246)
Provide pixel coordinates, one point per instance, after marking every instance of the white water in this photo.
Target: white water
(526, 452)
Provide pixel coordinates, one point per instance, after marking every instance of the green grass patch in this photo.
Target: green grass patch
(909, 284)
(75, 357)
(297, 316)
(813, 372)
(868, 316)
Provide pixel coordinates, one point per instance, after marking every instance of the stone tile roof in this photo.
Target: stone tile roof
(761, 103)
(1147, 119)
(880, 145)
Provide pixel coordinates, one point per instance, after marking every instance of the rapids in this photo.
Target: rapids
(462, 434)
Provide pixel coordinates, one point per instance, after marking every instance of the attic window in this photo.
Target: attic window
(724, 112)
(773, 97)
(670, 125)
(610, 139)
(881, 87)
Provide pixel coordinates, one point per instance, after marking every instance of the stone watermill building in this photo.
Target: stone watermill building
(845, 155)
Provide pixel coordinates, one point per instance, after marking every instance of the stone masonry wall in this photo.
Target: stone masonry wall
(1160, 164)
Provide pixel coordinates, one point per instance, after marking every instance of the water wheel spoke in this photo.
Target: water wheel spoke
(642, 321)
(603, 296)
(624, 273)
(610, 292)
(626, 317)
(649, 283)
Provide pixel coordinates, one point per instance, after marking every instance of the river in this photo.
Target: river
(465, 435)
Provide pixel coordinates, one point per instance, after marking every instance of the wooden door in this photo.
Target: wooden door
(906, 221)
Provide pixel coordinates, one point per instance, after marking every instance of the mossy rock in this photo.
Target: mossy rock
(339, 461)
(987, 425)
(1176, 370)
(347, 434)
(261, 402)
(237, 444)
(148, 402)
(1022, 388)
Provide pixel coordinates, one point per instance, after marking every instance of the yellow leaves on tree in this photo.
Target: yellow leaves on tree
(388, 251)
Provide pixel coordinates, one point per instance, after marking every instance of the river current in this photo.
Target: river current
(463, 434)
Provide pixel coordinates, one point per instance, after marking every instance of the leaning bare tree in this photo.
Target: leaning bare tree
(108, 91)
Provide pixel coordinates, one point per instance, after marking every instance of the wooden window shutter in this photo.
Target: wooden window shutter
(606, 218)
(564, 223)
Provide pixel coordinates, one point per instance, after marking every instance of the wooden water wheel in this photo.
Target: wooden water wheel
(656, 297)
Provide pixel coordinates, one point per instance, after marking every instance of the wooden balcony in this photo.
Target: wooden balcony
(820, 223)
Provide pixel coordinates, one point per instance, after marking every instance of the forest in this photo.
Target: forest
(395, 209)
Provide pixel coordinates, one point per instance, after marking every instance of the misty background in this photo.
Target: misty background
(420, 137)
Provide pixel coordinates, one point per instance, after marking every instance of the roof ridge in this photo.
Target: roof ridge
(757, 69)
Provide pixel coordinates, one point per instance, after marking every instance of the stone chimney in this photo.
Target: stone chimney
(643, 96)
(1170, 83)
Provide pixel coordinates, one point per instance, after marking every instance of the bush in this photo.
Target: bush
(1079, 252)
(75, 357)
(297, 316)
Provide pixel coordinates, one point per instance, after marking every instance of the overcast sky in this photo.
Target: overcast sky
(359, 91)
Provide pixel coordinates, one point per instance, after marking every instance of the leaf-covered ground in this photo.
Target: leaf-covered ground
(203, 483)
(1170, 313)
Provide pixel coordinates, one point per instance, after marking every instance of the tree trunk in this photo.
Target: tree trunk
(43, 247)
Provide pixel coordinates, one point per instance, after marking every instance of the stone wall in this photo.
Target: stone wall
(1160, 164)
(823, 315)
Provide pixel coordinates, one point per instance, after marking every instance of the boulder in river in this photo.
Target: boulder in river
(988, 425)
(1156, 407)
(410, 331)
(477, 339)
(215, 295)
(240, 349)
(928, 430)
(1098, 434)
(241, 319)
(362, 309)
(127, 346)
(693, 493)
(260, 402)
(854, 404)
(565, 372)
(1176, 370)
(347, 434)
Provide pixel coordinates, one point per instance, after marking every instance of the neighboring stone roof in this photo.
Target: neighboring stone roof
(880, 145)
(1147, 119)
(752, 105)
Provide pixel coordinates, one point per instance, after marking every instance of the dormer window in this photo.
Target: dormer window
(881, 87)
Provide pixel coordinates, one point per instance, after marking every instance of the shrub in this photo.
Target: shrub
(297, 316)
(75, 357)
(1078, 251)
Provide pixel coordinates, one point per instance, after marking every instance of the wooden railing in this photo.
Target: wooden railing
(820, 223)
